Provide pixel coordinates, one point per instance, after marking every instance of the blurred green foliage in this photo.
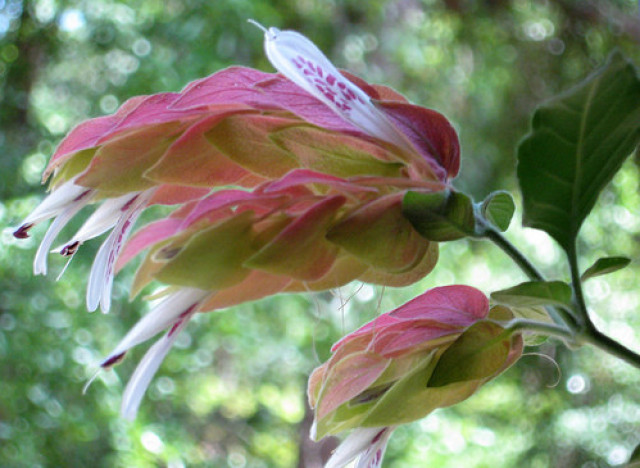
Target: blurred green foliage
(231, 393)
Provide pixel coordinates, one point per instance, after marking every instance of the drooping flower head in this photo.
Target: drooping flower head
(281, 183)
(434, 351)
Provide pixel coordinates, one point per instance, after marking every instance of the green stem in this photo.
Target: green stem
(595, 338)
(560, 316)
(523, 262)
(587, 332)
(580, 306)
(590, 334)
(549, 329)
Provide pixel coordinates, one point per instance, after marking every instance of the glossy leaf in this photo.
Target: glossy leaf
(498, 209)
(535, 293)
(441, 216)
(604, 266)
(578, 142)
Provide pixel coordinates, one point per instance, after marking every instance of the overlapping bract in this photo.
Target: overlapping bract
(241, 126)
(244, 127)
(432, 352)
(305, 231)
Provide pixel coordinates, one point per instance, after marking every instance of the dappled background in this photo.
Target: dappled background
(231, 393)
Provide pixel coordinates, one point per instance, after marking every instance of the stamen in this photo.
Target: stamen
(255, 23)
(269, 34)
(64, 268)
(93, 377)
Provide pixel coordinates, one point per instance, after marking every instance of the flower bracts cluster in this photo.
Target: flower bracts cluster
(305, 231)
(238, 127)
(288, 182)
(434, 351)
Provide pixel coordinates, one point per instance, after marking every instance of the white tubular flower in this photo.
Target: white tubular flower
(62, 204)
(297, 58)
(146, 369)
(101, 220)
(365, 445)
(61, 220)
(172, 313)
(59, 200)
(102, 271)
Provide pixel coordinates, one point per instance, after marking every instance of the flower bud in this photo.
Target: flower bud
(434, 351)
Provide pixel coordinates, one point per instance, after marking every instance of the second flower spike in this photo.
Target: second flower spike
(434, 351)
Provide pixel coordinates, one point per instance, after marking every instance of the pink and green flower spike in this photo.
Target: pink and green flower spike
(279, 182)
(434, 351)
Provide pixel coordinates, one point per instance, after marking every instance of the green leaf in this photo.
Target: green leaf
(498, 209)
(440, 216)
(535, 293)
(578, 142)
(604, 266)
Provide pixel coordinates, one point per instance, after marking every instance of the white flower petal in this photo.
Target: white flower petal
(313, 432)
(361, 443)
(40, 260)
(56, 202)
(101, 220)
(297, 58)
(139, 381)
(97, 275)
(373, 455)
(159, 318)
(102, 271)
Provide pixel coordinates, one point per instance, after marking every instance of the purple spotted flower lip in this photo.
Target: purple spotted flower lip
(297, 58)
(285, 182)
